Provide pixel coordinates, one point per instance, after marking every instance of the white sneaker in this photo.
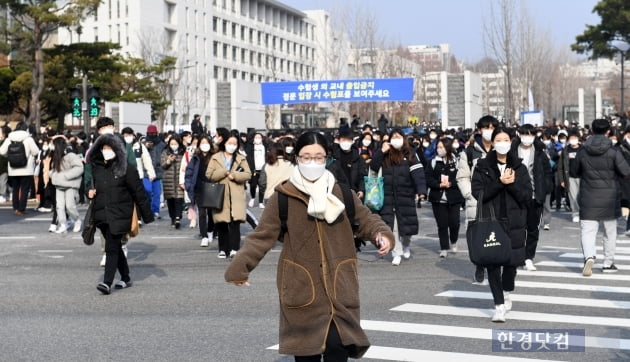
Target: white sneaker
(576, 219)
(588, 267)
(499, 314)
(443, 253)
(261, 206)
(396, 260)
(251, 203)
(221, 255)
(62, 229)
(507, 302)
(546, 227)
(406, 252)
(103, 260)
(529, 265)
(52, 228)
(125, 251)
(193, 224)
(204, 242)
(77, 226)
(454, 248)
(233, 253)
(2, 200)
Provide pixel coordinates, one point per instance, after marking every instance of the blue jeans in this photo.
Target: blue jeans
(154, 192)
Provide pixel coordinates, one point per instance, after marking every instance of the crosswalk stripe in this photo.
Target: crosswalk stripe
(618, 249)
(16, 237)
(582, 302)
(474, 333)
(569, 264)
(419, 355)
(598, 276)
(570, 286)
(527, 316)
(599, 256)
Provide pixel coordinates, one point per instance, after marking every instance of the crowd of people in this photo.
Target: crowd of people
(522, 172)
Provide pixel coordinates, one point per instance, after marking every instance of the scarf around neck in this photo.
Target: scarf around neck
(322, 204)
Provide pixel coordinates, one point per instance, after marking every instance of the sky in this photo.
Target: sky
(460, 22)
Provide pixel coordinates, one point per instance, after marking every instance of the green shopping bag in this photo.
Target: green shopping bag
(374, 191)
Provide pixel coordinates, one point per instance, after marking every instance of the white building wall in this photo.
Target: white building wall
(473, 99)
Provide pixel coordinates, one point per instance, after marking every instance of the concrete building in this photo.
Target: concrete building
(224, 49)
(434, 58)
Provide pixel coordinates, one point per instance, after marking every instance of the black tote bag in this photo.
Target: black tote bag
(212, 194)
(487, 238)
(89, 227)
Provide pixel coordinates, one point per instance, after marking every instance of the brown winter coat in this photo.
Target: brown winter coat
(317, 277)
(234, 204)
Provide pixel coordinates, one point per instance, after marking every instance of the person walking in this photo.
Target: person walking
(66, 174)
(403, 179)
(347, 165)
(171, 160)
(277, 169)
(256, 151)
(115, 187)
(194, 180)
(229, 168)
(153, 188)
(569, 183)
(444, 195)
(599, 167)
(506, 187)
(317, 274)
(624, 148)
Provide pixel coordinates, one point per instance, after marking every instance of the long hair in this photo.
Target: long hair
(60, 145)
(205, 159)
(396, 157)
(275, 151)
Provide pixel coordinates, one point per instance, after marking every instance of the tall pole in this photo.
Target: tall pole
(84, 107)
(623, 109)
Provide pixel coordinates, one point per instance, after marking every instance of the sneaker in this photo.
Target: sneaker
(507, 302)
(193, 224)
(529, 265)
(261, 206)
(499, 314)
(204, 243)
(2, 200)
(62, 229)
(546, 227)
(232, 253)
(609, 269)
(576, 219)
(122, 285)
(52, 228)
(406, 252)
(588, 267)
(443, 254)
(157, 216)
(125, 251)
(479, 274)
(44, 209)
(103, 260)
(251, 203)
(221, 255)
(103, 288)
(178, 223)
(77, 226)
(396, 261)
(454, 248)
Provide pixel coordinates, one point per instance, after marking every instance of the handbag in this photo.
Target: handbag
(212, 194)
(374, 190)
(89, 226)
(487, 238)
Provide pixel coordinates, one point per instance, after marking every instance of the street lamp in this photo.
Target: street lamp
(622, 51)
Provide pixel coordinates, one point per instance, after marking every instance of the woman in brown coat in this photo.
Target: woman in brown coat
(317, 276)
(230, 168)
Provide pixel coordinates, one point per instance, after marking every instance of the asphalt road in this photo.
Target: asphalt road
(180, 308)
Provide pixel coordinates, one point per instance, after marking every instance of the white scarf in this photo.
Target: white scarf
(322, 204)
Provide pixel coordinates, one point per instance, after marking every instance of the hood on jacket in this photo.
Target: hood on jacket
(18, 136)
(95, 156)
(597, 145)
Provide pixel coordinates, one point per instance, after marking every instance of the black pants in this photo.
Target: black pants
(21, 186)
(447, 218)
(501, 278)
(253, 183)
(334, 352)
(115, 259)
(175, 208)
(206, 223)
(534, 219)
(229, 235)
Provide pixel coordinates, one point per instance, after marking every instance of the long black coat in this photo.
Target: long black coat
(434, 171)
(509, 201)
(599, 167)
(624, 148)
(117, 186)
(402, 183)
(543, 174)
(356, 166)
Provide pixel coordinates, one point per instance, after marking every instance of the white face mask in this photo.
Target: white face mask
(547, 142)
(628, 141)
(527, 140)
(441, 152)
(288, 149)
(230, 148)
(258, 141)
(51, 147)
(432, 136)
(129, 139)
(107, 131)
(45, 148)
(174, 148)
(573, 141)
(108, 154)
(502, 148)
(486, 134)
(312, 170)
(425, 144)
(456, 145)
(397, 143)
(346, 146)
(204, 147)
(614, 142)
(366, 143)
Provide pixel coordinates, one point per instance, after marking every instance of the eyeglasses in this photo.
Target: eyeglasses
(319, 158)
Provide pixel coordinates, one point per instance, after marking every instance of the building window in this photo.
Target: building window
(243, 56)
(234, 30)
(225, 27)
(215, 49)
(214, 23)
(235, 74)
(215, 73)
(170, 13)
(95, 34)
(127, 33)
(243, 32)
(118, 9)
(226, 71)
(234, 53)
(225, 51)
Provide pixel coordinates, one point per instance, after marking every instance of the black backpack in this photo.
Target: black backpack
(283, 211)
(17, 155)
